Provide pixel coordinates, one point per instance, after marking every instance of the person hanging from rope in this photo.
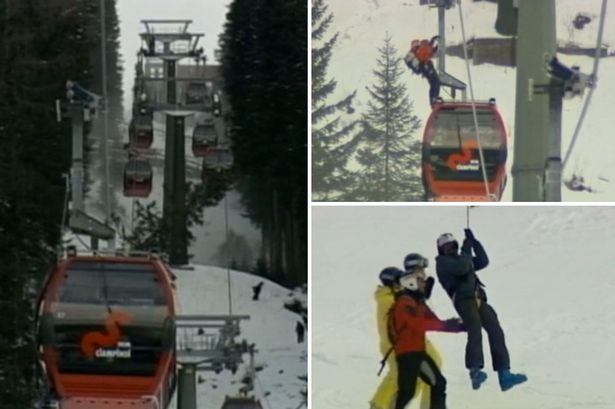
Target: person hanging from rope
(457, 274)
(384, 397)
(419, 60)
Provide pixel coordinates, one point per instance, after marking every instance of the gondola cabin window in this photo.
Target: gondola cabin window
(453, 148)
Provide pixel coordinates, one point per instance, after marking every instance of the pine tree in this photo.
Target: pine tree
(42, 44)
(330, 149)
(389, 154)
(264, 66)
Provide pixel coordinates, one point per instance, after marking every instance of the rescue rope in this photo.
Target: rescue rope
(591, 89)
(480, 148)
(468, 217)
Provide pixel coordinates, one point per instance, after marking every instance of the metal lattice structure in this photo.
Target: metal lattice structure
(206, 343)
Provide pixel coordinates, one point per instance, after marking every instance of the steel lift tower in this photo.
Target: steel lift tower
(170, 41)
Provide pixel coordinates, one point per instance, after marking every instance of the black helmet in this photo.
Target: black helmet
(389, 276)
(415, 261)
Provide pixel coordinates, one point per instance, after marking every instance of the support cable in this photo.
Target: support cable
(474, 116)
(594, 78)
(105, 97)
(228, 258)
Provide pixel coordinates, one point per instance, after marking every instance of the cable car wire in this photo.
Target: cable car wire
(228, 256)
(591, 89)
(260, 385)
(474, 116)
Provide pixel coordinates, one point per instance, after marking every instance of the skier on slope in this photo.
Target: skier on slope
(409, 319)
(457, 274)
(419, 60)
(384, 398)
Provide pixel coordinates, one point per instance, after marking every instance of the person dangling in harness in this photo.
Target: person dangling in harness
(457, 274)
(409, 319)
(419, 60)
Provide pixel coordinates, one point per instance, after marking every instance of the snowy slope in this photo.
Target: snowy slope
(204, 290)
(550, 280)
(363, 25)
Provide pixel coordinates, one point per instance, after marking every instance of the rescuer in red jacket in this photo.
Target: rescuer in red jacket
(419, 60)
(409, 320)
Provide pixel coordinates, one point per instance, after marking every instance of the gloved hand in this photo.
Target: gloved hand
(469, 234)
(466, 246)
(429, 282)
(454, 325)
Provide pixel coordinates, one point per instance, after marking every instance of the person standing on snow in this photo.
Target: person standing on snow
(419, 60)
(256, 290)
(409, 319)
(457, 274)
(384, 397)
(300, 330)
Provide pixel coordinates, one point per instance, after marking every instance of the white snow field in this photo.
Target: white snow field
(550, 280)
(204, 291)
(363, 25)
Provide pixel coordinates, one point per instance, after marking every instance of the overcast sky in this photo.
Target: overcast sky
(208, 17)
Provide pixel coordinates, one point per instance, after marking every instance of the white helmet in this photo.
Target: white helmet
(409, 281)
(445, 238)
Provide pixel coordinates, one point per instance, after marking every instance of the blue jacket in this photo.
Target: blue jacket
(457, 273)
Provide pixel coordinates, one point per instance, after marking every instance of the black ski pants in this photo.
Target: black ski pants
(431, 75)
(411, 366)
(476, 315)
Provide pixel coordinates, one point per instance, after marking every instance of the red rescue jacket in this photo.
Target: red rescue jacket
(409, 319)
(424, 52)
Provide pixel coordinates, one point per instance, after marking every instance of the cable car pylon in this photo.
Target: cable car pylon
(82, 106)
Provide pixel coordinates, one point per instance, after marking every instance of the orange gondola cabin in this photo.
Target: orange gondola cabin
(106, 332)
(451, 162)
(138, 175)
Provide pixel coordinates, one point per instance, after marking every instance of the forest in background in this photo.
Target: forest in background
(44, 43)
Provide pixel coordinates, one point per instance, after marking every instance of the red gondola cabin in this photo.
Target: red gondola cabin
(138, 175)
(218, 157)
(106, 332)
(141, 132)
(451, 163)
(204, 137)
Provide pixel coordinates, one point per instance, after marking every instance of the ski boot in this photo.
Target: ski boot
(477, 377)
(508, 379)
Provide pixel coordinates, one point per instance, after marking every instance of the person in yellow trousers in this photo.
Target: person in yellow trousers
(385, 395)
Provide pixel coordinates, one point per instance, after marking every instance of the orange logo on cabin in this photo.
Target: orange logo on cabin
(94, 340)
(463, 158)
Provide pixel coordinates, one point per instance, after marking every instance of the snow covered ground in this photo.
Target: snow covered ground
(204, 290)
(550, 280)
(363, 25)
